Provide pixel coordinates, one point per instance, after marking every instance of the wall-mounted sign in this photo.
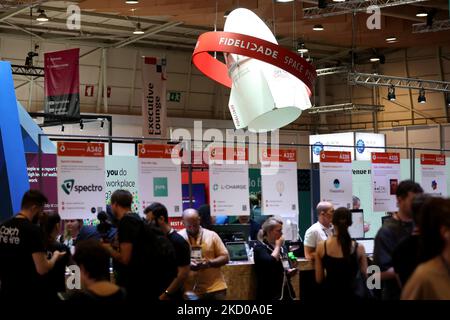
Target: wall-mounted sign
(325, 142)
(385, 180)
(434, 174)
(364, 143)
(174, 96)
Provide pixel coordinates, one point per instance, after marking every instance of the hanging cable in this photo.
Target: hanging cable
(273, 19)
(294, 26)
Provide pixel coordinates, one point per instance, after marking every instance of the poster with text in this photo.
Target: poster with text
(121, 172)
(366, 143)
(228, 181)
(48, 184)
(159, 172)
(279, 182)
(331, 142)
(434, 174)
(81, 179)
(385, 180)
(336, 178)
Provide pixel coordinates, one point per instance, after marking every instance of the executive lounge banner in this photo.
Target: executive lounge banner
(159, 175)
(385, 180)
(154, 97)
(62, 83)
(279, 182)
(336, 178)
(81, 179)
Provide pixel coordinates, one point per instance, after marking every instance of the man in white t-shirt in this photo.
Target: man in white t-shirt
(319, 231)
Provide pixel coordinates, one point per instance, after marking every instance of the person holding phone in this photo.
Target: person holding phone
(272, 266)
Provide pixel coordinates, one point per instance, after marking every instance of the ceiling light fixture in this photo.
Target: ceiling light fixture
(81, 125)
(301, 48)
(421, 98)
(42, 17)
(318, 27)
(391, 39)
(391, 93)
(422, 13)
(132, 1)
(138, 29)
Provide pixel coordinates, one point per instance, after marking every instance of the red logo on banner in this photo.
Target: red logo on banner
(336, 156)
(432, 159)
(386, 157)
(281, 155)
(81, 149)
(158, 151)
(229, 154)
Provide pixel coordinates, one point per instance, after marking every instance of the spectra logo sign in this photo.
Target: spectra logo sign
(216, 187)
(360, 146)
(317, 148)
(67, 186)
(336, 183)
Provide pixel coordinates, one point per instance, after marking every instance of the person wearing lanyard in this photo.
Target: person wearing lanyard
(272, 266)
(208, 255)
(157, 215)
(319, 231)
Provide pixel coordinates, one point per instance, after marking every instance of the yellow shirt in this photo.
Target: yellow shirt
(430, 281)
(210, 279)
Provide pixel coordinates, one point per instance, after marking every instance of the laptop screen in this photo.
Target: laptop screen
(237, 251)
(368, 245)
(356, 230)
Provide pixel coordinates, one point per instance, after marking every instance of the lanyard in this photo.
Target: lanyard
(195, 244)
(271, 250)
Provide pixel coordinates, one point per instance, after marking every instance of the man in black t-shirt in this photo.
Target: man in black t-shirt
(157, 215)
(127, 255)
(23, 258)
(393, 231)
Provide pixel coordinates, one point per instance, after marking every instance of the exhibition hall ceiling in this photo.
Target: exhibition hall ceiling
(177, 24)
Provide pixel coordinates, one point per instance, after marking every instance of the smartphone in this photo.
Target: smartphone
(393, 183)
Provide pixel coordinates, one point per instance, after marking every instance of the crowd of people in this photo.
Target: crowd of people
(129, 258)
(411, 251)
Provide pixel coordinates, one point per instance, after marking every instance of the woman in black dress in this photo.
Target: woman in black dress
(339, 258)
(272, 266)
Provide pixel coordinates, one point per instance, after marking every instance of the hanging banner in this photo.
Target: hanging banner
(121, 172)
(154, 97)
(279, 182)
(325, 142)
(228, 181)
(49, 183)
(385, 180)
(365, 144)
(434, 175)
(160, 177)
(62, 83)
(336, 178)
(81, 179)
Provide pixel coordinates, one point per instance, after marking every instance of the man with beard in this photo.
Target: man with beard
(156, 214)
(22, 253)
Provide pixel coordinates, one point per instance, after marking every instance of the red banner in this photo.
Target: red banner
(158, 151)
(251, 47)
(228, 154)
(62, 83)
(81, 149)
(336, 156)
(386, 157)
(281, 155)
(432, 159)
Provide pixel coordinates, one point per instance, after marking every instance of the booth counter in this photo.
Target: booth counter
(241, 279)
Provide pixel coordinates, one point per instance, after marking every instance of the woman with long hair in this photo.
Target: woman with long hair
(339, 258)
(431, 279)
(54, 280)
(71, 230)
(272, 265)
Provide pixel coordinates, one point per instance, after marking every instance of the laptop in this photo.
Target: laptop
(237, 251)
(368, 244)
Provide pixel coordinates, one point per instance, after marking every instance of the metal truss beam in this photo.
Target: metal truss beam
(332, 70)
(335, 9)
(438, 25)
(27, 71)
(15, 4)
(346, 107)
(369, 79)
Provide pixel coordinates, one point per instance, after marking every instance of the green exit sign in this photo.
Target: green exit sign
(174, 96)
